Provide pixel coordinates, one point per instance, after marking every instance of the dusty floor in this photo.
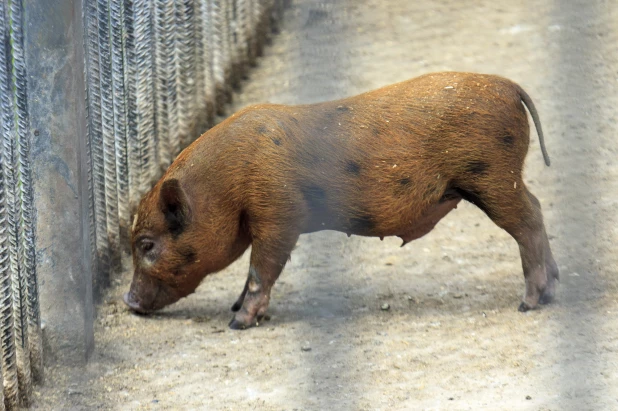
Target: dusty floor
(452, 339)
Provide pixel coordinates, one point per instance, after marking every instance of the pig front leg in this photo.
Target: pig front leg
(267, 262)
(241, 297)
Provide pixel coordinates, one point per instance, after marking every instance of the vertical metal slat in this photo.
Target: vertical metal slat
(8, 247)
(95, 137)
(108, 128)
(200, 95)
(6, 306)
(166, 99)
(24, 200)
(116, 18)
(219, 55)
(130, 81)
(186, 70)
(145, 158)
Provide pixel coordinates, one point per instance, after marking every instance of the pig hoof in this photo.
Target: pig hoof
(523, 307)
(237, 325)
(236, 306)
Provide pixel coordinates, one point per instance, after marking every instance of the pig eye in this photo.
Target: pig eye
(146, 245)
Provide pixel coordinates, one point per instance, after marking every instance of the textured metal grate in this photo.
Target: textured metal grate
(20, 325)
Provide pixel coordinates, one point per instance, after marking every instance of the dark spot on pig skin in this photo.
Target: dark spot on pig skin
(262, 130)
(508, 140)
(477, 167)
(343, 109)
(403, 187)
(376, 132)
(315, 198)
(295, 120)
(276, 141)
(362, 224)
(353, 168)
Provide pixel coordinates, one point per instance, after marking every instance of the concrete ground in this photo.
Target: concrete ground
(452, 338)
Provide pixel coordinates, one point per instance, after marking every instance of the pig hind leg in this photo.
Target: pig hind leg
(553, 274)
(513, 208)
(267, 261)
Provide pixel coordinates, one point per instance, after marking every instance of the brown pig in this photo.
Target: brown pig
(390, 162)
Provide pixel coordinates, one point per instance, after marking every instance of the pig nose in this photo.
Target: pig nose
(129, 300)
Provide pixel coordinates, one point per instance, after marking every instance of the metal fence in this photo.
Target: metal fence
(19, 307)
(156, 72)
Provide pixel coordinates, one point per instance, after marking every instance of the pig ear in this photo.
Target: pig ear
(174, 205)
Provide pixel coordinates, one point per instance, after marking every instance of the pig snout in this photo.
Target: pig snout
(131, 302)
(148, 294)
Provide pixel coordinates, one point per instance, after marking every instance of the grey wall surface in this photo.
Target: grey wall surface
(56, 97)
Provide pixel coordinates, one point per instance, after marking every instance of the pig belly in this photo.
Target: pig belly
(429, 219)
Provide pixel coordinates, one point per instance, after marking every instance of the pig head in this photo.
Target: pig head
(168, 256)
